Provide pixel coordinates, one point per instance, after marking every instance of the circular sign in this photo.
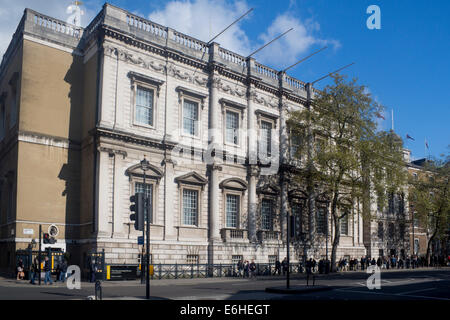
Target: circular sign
(53, 230)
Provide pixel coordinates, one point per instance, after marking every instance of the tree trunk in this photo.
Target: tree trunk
(337, 232)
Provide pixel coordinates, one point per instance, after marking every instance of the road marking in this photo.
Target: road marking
(392, 294)
(414, 291)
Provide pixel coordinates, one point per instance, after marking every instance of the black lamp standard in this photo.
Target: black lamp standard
(145, 166)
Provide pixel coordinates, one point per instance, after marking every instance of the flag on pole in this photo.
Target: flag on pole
(409, 137)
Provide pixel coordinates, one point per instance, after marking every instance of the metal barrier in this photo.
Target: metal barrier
(184, 271)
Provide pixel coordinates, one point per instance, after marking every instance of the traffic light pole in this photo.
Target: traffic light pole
(40, 241)
(287, 247)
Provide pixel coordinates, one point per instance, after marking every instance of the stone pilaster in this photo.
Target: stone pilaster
(252, 202)
(169, 201)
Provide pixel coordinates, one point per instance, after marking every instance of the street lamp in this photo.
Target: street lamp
(145, 165)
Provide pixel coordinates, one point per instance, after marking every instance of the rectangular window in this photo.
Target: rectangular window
(232, 213)
(272, 259)
(190, 207)
(391, 203)
(416, 246)
(267, 215)
(294, 146)
(266, 139)
(144, 106)
(232, 127)
(235, 259)
(344, 225)
(190, 118)
(147, 189)
(321, 220)
(192, 259)
(297, 213)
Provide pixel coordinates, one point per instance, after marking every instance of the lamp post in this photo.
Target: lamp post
(145, 166)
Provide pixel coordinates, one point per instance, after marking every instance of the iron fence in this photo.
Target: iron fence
(186, 271)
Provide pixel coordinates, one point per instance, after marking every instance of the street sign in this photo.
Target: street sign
(141, 240)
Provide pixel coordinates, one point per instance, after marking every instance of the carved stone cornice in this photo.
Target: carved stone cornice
(273, 103)
(175, 72)
(113, 152)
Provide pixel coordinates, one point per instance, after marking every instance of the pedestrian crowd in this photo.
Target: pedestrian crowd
(46, 268)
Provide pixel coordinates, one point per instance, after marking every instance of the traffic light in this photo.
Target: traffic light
(48, 239)
(137, 206)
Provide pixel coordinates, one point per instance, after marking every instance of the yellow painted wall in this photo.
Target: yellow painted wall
(52, 91)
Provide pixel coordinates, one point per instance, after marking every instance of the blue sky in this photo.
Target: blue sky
(405, 65)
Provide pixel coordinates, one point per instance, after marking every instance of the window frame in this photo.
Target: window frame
(267, 154)
(198, 124)
(272, 214)
(239, 209)
(148, 83)
(135, 106)
(192, 96)
(199, 206)
(148, 181)
(237, 108)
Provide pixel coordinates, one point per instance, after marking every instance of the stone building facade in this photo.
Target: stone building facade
(83, 107)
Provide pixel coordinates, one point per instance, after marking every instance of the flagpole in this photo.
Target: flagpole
(392, 119)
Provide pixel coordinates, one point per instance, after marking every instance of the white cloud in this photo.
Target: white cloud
(290, 47)
(12, 11)
(204, 19)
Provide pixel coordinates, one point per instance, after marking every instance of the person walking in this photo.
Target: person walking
(63, 270)
(240, 267)
(246, 269)
(19, 269)
(48, 271)
(92, 270)
(277, 267)
(252, 268)
(34, 270)
(363, 263)
(284, 265)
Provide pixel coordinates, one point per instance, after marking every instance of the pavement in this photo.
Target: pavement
(403, 284)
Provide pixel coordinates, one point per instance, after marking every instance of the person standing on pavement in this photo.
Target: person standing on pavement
(252, 268)
(48, 271)
(277, 267)
(284, 265)
(63, 270)
(34, 270)
(240, 267)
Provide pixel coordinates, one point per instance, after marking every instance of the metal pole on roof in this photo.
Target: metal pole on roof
(303, 59)
(230, 26)
(254, 52)
(312, 83)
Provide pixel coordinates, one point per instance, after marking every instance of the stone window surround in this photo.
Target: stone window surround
(269, 118)
(155, 192)
(199, 190)
(228, 188)
(149, 83)
(153, 177)
(231, 106)
(193, 96)
(240, 207)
